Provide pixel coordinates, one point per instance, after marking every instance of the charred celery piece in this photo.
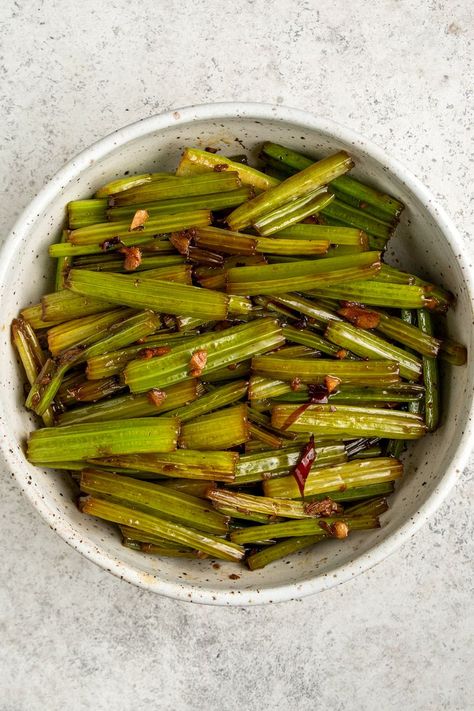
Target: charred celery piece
(350, 421)
(153, 499)
(219, 430)
(129, 182)
(349, 475)
(50, 378)
(280, 550)
(368, 345)
(236, 243)
(292, 212)
(214, 201)
(308, 527)
(345, 184)
(113, 362)
(195, 161)
(158, 295)
(182, 464)
(76, 389)
(177, 187)
(213, 400)
(31, 355)
(381, 372)
(302, 275)
(83, 331)
(129, 406)
(315, 176)
(87, 441)
(223, 348)
(336, 236)
(307, 338)
(128, 516)
(375, 293)
(430, 376)
(260, 466)
(82, 213)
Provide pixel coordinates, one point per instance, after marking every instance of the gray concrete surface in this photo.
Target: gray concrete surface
(400, 636)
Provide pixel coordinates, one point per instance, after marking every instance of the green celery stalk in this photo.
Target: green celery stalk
(129, 406)
(302, 275)
(195, 161)
(368, 345)
(182, 464)
(127, 516)
(430, 376)
(308, 527)
(348, 475)
(260, 466)
(223, 348)
(350, 421)
(129, 182)
(214, 201)
(344, 183)
(86, 330)
(280, 550)
(338, 236)
(158, 295)
(309, 179)
(220, 397)
(381, 372)
(82, 213)
(113, 362)
(153, 499)
(293, 212)
(218, 430)
(86, 441)
(375, 293)
(177, 187)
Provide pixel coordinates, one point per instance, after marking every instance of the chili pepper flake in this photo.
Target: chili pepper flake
(303, 468)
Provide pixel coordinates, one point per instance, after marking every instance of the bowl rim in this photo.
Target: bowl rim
(261, 112)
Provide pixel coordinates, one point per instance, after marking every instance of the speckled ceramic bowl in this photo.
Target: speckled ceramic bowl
(426, 243)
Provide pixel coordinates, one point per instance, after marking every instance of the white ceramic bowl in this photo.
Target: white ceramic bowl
(426, 243)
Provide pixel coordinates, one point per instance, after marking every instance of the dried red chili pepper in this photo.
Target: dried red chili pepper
(303, 468)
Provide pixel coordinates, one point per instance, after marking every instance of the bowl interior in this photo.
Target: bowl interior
(420, 246)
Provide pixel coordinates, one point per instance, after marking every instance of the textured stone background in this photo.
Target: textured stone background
(73, 637)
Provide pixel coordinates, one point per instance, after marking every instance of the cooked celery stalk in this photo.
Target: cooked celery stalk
(302, 275)
(87, 441)
(219, 430)
(183, 464)
(350, 421)
(141, 521)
